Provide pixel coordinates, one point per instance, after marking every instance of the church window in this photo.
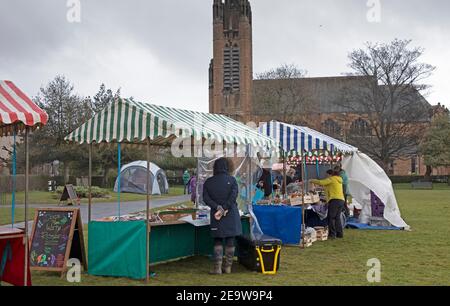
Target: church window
(231, 68)
(331, 127)
(360, 127)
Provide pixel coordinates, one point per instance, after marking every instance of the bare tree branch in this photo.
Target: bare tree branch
(390, 99)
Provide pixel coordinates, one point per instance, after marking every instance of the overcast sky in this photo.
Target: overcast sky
(159, 51)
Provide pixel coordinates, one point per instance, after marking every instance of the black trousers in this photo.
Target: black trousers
(335, 226)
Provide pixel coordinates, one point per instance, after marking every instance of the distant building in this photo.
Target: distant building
(233, 92)
(5, 147)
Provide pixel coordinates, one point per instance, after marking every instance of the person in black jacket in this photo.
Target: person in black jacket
(220, 193)
(265, 182)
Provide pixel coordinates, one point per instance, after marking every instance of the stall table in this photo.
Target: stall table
(12, 257)
(118, 248)
(280, 221)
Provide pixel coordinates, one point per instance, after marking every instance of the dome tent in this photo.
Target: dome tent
(133, 179)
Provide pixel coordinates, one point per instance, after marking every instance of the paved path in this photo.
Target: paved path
(100, 210)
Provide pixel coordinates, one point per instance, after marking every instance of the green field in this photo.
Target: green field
(418, 257)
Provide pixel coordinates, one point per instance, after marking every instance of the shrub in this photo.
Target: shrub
(83, 192)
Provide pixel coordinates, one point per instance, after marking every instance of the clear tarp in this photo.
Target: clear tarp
(246, 170)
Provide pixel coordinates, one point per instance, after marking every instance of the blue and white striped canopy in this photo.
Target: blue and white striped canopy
(301, 139)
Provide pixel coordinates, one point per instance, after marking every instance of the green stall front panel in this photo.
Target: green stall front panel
(117, 249)
(172, 241)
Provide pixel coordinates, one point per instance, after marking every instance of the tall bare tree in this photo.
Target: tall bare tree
(280, 94)
(389, 99)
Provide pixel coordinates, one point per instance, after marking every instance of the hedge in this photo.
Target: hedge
(413, 178)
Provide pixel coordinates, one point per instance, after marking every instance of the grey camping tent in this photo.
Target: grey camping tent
(133, 179)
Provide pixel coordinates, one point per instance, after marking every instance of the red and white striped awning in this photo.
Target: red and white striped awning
(17, 110)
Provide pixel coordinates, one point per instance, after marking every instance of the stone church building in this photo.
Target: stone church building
(233, 91)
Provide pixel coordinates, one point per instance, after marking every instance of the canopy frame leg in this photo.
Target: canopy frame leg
(27, 165)
(147, 223)
(90, 184)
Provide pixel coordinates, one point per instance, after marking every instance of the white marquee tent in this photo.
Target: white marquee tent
(366, 175)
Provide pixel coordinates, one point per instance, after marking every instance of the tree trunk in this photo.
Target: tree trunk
(428, 174)
(385, 164)
(66, 173)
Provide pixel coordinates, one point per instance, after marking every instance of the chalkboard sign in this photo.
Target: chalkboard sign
(57, 236)
(69, 195)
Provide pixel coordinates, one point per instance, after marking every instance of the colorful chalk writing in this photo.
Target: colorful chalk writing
(49, 244)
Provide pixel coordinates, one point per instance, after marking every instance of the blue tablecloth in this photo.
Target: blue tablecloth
(282, 222)
(362, 226)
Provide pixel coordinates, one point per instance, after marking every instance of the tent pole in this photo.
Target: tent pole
(284, 187)
(90, 183)
(197, 196)
(119, 157)
(303, 165)
(250, 176)
(14, 178)
(147, 231)
(27, 165)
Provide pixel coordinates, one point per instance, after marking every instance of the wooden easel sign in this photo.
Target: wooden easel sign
(57, 236)
(69, 195)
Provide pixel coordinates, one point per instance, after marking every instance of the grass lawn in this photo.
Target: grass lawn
(419, 257)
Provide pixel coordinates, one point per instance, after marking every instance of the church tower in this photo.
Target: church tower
(231, 69)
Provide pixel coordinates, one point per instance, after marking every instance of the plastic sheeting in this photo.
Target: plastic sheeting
(366, 175)
(246, 170)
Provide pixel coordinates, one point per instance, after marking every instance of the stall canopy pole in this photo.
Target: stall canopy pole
(14, 167)
(197, 196)
(284, 187)
(26, 205)
(250, 176)
(303, 165)
(119, 157)
(90, 183)
(147, 241)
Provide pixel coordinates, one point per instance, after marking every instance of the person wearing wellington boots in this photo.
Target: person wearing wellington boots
(220, 193)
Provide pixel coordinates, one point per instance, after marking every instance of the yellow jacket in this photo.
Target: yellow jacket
(333, 187)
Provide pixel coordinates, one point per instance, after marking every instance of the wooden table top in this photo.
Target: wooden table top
(5, 231)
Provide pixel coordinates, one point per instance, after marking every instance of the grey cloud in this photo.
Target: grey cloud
(317, 35)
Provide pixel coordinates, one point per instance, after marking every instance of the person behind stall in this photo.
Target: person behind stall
(290, 177)
(335, 199)
(220, 192)
(193, 188)
(186, 178)
(298, 174)
(344, 176)
(265, 182)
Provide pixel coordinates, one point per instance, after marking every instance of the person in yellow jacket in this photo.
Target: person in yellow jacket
(336, 202)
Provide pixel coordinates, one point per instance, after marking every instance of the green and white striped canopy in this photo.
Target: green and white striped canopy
(128, 121)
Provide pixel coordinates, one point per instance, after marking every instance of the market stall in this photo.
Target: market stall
(190, 133)
(312, 153)
(19, 116)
